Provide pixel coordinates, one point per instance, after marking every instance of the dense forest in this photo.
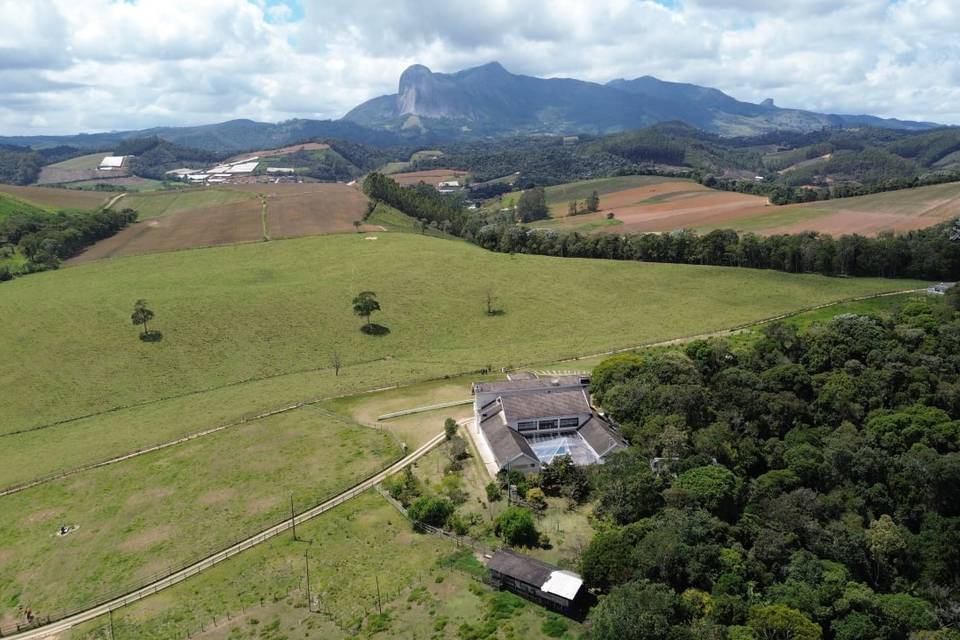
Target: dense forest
(34, 240)
(805, 486)
(787, 167)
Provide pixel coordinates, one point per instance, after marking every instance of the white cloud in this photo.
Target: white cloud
(72, 65)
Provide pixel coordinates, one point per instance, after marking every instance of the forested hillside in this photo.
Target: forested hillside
(805, 485)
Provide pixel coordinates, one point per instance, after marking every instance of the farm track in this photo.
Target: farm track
(9, 490)
(71, 620)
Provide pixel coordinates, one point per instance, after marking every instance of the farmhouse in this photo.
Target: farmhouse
(529, 421)
(111, 163)
(545, 584)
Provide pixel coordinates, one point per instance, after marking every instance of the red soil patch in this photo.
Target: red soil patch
(686, 211)
(52, 198)
(866, 221)
(267, 153)
(432, 177)
(204, 227)
(292, 210)
(323, 208)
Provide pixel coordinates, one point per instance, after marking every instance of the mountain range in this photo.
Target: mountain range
(490, 102)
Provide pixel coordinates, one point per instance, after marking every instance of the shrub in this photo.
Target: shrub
(515, 525)
(432, 510)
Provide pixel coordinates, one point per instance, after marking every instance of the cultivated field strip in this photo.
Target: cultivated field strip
(59, 623)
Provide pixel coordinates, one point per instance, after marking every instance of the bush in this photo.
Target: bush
(494, 492)
(431, 510)
(515, 525)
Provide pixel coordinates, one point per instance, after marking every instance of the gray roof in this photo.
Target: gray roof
(600, 436)
(546, 403)
(521, 567)
(505, 443)
(498, 386)
(545, 577)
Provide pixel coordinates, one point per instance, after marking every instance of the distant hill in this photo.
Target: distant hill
(490, 101)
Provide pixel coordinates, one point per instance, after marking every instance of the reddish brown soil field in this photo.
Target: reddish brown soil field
(292, 210)
(223, 224)
(668, 206)
(51, 198)
(432, 177)
(266, 153)
(313, 209)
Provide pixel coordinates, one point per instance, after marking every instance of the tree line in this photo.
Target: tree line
(929, 254)
(46, 239)
(801, 486)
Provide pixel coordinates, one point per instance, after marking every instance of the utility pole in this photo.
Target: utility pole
(110, 614)
(293, 520)
(379, 604)
(306, 560)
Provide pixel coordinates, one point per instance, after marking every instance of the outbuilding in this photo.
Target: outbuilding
(543, 583)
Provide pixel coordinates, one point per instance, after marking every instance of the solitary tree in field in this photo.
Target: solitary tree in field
(365, 304)
(336, 362)
(141, 315)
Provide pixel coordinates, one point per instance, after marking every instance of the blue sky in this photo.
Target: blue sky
(94, 65)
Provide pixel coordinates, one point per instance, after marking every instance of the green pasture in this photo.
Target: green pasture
(143, 516)
(425, 583)
(240, 313)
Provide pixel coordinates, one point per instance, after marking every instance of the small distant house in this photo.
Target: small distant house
(111, 163)
(545, 584)
(528, 422)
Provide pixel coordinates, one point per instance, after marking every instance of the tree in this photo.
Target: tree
(886, 542)
(431, 510)
(357, 224)
(449, 428)
(627, 489)
(494, 492)
(141, 316)
(515, 525)
(712, 487)
(491, 298)
(638, 610)
(593, 202)
(572, 208)
(365, 304)
(780, 622)
(336, 362)
(532, 205)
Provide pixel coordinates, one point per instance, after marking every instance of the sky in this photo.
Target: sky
(69, 66)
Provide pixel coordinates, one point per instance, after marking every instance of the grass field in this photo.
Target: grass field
(134, 184)
(237, 313)
(76, 169)
(424, 593)
(139, 518)
(52, 198)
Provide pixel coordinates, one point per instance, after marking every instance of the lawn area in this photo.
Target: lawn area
(155, 205)
(350, 548)
(238, 313)
(414, 429)
(141, 517)
(89, 161)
